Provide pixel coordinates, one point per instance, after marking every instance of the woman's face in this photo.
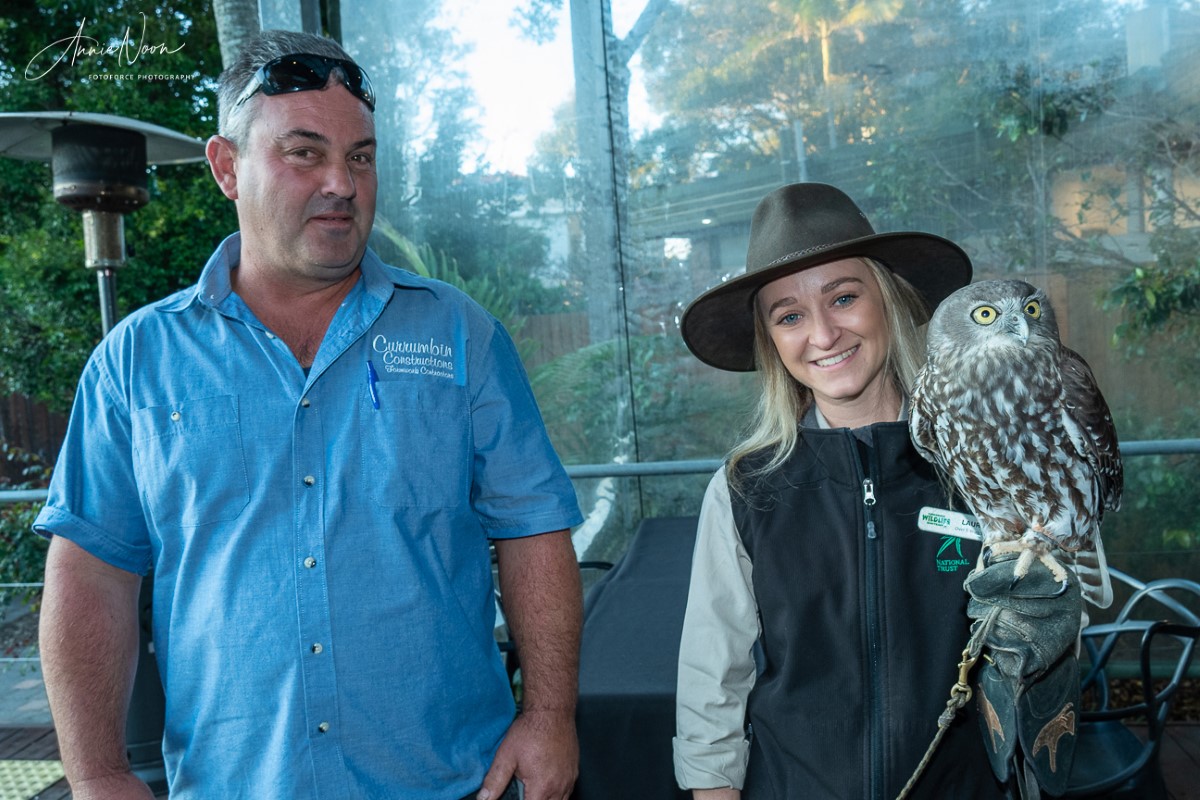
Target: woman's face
(829, 327)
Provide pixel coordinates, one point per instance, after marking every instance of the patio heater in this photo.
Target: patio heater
(99, 165)
(99, 162)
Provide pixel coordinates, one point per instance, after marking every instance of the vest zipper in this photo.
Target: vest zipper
(869, 501)
(874, 688)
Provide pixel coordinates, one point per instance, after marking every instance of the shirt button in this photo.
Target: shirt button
(309, 480)
(310, 562)
(316, 648)
(323, 727)
(304, 402)
(270, 335)
(176, 416)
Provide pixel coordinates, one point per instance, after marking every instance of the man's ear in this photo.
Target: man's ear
(222, 160)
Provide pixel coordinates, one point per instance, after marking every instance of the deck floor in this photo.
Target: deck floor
(1180, 758)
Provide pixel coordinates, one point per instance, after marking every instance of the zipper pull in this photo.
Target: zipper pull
(869, 502)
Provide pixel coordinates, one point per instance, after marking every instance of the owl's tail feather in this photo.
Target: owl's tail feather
(1092, 569)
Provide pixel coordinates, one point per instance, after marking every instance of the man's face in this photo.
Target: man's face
(305, 184)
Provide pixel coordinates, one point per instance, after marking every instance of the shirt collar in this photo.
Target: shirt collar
(214, 287)
(815, 419)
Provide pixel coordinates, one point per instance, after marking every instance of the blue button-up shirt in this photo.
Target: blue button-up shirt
(323, 594)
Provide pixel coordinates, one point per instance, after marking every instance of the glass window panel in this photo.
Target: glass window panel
(1052, 139)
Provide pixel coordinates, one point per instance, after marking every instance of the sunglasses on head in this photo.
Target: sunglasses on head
(302, 72)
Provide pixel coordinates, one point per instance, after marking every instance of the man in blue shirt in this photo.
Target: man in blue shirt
(312, 450)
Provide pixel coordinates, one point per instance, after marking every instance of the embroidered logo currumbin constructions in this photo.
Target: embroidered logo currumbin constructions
(418, 358)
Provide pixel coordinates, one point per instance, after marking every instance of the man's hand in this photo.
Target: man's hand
(539, 587)
(542, 751)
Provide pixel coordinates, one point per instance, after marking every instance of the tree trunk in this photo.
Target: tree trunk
(237, 21)
(827, 83)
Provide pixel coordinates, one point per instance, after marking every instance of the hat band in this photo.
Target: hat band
(799, 253)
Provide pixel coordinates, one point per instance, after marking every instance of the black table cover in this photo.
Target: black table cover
(628, 663)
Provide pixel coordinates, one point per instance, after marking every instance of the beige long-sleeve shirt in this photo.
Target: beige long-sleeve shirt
(716, 662)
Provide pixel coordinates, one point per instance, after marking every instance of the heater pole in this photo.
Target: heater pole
(104, 251)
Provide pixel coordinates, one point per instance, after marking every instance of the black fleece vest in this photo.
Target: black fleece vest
(864, 620)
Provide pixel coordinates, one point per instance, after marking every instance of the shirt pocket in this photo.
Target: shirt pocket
(416, 447)
(189, 461)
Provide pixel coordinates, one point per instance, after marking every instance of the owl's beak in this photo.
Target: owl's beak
(1017, 327)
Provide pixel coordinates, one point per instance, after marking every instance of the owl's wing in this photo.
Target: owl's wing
(921, 417)
(1085, 405)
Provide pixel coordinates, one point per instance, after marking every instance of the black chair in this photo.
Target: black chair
(1153, 638)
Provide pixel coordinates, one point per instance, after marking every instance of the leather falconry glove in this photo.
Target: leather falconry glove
(1027, 686)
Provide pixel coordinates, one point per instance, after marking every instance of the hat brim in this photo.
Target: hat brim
(718, 326)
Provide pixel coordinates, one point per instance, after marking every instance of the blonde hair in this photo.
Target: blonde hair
(783, 402)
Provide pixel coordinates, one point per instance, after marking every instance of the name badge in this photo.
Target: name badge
(949, 523)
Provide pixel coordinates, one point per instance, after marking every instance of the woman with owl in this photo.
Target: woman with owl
(823, 627)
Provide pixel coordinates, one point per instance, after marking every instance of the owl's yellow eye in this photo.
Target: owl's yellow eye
(985, 315)
(1034, 309)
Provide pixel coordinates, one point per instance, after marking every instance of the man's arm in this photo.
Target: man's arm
(89, 640)
(539, 583)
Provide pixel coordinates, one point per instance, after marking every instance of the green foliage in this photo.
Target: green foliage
(471, 214)
(22, 552)
(49, 312)
(584, 421)
(731, 76)
(1045, 102)
(584, 395)
(1161, 299)
(499, 297)
(479, 220)
(675, 415)
(1157, 298)
(537, 19)
(181, 35)
(49, 317)
(1156, 534)
(982, 169)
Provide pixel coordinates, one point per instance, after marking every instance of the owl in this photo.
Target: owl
(1016, 423)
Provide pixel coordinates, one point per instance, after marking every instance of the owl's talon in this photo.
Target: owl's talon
(1056, 569)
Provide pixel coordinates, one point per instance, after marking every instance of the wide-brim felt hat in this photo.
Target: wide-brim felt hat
(805, 225)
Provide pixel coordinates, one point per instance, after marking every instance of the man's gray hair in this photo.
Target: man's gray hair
(233, 121)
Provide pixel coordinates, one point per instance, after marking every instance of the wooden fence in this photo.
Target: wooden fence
(31, 427)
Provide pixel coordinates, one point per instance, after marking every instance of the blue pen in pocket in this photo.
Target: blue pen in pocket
(372, 379)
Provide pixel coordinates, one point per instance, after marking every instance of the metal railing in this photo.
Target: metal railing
(641, 469)
(646, 469)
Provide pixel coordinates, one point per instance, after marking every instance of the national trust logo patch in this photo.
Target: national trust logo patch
(953, 526)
